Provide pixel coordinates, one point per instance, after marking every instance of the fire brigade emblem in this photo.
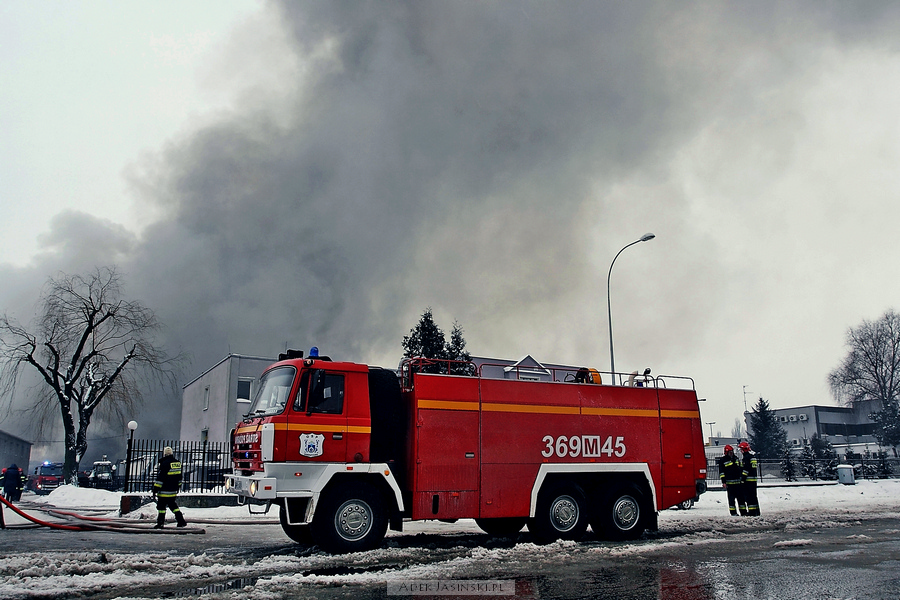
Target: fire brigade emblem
(311, 444)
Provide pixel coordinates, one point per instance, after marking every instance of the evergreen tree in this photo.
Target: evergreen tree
(808, 463)
(767, 437)
(829, 461)
(788, 467)
(887, 424)
(426, 340)
(822, 459)
(456, 350)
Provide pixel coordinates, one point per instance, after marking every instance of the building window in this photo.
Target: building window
(206, 398)
(243, 390)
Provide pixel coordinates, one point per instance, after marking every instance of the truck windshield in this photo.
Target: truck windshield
(274, 388)
(51, 470)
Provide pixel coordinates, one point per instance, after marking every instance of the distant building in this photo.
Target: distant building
(845, 427)
(526, 368)
(14, 450)
(212, 403)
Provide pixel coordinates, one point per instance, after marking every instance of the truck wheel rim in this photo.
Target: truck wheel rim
(626, 513)
(353, 520)
(564, 513)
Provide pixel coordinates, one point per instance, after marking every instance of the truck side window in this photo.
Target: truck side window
(327, 394)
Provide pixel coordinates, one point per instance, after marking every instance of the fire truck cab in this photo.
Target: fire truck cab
(47, 477)
(346, 450)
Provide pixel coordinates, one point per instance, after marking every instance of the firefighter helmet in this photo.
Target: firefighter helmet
(744, 446)
(728, 448)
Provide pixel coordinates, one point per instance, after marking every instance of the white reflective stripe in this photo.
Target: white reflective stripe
(267, 442)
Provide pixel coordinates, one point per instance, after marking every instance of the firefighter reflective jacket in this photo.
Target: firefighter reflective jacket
(168, 477)
(730, 470)
(751, 467)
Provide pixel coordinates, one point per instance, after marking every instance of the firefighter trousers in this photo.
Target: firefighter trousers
(750, 498)
(736, 500)
(164, 502)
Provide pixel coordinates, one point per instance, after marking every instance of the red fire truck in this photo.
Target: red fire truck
(47, 477)
(345, 450)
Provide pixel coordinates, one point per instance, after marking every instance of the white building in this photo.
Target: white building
(216, 400)
(842, 426)
(14, 450)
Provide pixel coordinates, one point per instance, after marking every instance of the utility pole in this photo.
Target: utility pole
(745, 398)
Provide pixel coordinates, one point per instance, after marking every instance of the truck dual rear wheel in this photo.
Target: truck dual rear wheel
(561, 514)
(622, 514)
(350, 518)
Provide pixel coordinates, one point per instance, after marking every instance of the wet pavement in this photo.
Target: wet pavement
(848, 558)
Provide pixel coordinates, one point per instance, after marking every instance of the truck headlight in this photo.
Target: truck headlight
(229, 483)
(253, 486)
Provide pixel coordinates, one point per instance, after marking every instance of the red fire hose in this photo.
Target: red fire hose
(107, 524)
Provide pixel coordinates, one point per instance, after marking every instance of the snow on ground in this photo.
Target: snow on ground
(47, 574)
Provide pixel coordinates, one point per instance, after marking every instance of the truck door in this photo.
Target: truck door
(317, 429)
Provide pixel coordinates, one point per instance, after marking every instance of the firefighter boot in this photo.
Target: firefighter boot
(160, 521)
(180, 518)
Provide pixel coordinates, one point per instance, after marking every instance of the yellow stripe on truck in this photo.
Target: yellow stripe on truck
(558, 410)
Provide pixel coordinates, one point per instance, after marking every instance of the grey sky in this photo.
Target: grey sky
(319, 173)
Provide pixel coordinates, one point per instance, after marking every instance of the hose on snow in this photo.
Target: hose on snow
(94, 522)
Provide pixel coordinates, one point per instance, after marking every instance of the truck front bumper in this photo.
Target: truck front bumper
(304, 480)
(254, 486)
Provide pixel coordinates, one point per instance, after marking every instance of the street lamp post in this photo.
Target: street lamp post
(710, 430)
(612, 361)
(132, 425)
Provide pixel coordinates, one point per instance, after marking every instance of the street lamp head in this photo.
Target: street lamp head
(647, 237)
(132, 425)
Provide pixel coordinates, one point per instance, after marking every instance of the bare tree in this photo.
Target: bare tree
(91, 349)
(871, 369)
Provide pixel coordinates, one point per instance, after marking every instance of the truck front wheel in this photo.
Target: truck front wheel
(622, 514)
(561, 514)
(349, 518)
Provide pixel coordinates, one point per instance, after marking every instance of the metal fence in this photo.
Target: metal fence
(203, 465)
(818, 469)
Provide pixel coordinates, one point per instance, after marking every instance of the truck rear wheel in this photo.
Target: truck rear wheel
(622, 514)
(299, 533)
(561, 514)
(501, 527)
(349, 518)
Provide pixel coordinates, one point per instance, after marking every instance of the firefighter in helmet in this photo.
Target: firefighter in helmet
(731, 472)
(749, 478)
(165, 488)
(13, 482)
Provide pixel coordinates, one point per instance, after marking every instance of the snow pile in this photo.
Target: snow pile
(69, 496)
